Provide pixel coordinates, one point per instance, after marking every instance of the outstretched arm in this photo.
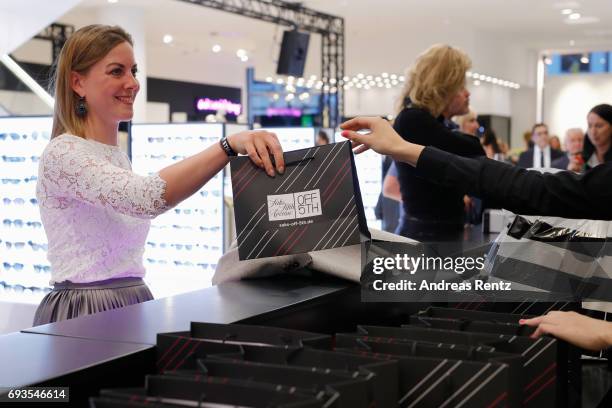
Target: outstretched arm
(563, 194)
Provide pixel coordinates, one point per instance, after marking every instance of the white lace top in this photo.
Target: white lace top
(95, 210)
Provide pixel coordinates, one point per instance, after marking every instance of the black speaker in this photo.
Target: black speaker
(293, 53)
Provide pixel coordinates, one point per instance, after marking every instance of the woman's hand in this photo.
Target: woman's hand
(580, 330)
(576, 163)
(381, 138)
(259, 144)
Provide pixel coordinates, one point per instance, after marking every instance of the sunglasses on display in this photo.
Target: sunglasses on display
(17, 181)
(16, 245)
(20, 223)
(42, 268)
(157, 261)
(16, 266)
(181, 138)
(206, 266)
(211, 247)
(21, 288)
(18, 201)
(187, 247)
(216, 193)
(212, 229)
(13, 159)
(14, 136)
(38, 247)
(186, 263)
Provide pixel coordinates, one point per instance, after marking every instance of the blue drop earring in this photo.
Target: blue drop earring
(81, 108)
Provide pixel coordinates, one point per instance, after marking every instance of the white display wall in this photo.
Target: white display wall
(369, 172)
(568, 99)
(185, 243)
(294, 138)
(24, 269)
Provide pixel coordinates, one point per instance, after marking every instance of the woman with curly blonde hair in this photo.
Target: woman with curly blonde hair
(434, 92)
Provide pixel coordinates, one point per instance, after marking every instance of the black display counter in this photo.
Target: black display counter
(116, 348)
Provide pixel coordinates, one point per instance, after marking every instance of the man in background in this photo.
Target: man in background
(573, 144)
(541, 155)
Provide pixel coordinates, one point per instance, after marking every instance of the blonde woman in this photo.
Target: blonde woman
(434, 92)
(94, 209)
(468, 123)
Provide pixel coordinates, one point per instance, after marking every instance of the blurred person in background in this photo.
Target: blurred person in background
(541, 155)
(599, 136)
(555, 143)
(468, 123)
(573, 143)
(322, 138)
(491, 146)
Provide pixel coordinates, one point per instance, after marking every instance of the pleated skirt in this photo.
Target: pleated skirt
(68, 300)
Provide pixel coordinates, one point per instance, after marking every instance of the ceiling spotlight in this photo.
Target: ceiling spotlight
(476, 82)
(268, 79)
(359, 76)
(468, 74)
(401, 78)
(567, 11)
(584, 59)
(276, 96)
(167, 39)
(216, 48)
(369, 77)
(280, 81)
(393, 76)
(345, 78)
(548, 60)
(359, 86)
(241, 53)
(289, 97)
(574, 16)
(113, 1)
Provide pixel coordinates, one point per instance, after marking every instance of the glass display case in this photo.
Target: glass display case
(185, 243)
(24, 269)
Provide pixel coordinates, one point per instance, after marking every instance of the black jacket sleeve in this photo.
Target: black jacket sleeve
(563, 194)
(418, 126)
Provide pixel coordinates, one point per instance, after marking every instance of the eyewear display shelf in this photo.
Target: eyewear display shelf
(185, 243)
(24, 269)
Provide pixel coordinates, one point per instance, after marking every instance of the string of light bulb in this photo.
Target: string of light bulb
(367, 81)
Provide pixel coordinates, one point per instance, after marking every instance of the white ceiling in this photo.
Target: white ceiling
(537, 22)
(381, 35)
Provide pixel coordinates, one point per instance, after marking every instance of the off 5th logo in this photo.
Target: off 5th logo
(295, 205)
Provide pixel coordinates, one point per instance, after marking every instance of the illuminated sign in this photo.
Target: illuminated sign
(284, 112)
(207, 104)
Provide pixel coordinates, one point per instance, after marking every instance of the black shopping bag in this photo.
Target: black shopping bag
(316, 204)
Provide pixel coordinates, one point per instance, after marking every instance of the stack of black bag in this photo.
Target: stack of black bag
(444, 358)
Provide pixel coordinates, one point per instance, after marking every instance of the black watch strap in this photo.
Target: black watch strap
(226, 147)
